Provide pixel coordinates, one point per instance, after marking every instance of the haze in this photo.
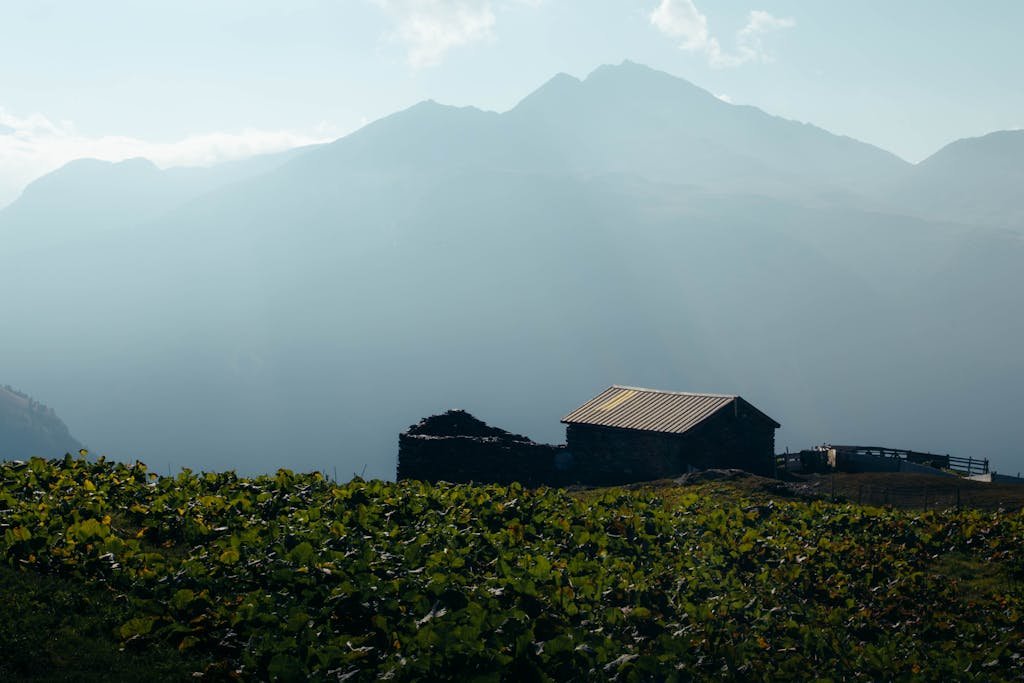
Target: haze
(262, 235)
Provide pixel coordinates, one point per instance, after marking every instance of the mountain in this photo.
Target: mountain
(625, 120)
(630, 118)
(625, 228)
(89, 197)
(29, 428)
(975, 180)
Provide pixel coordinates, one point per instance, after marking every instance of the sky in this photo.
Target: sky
(197, 82)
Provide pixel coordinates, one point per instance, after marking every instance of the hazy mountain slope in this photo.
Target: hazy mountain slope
(29, 428)
(514, 264)
(314, 341)
(87, 197)
(975, 180)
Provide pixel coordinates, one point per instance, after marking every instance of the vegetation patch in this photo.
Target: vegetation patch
(289, 577)
(60, 629)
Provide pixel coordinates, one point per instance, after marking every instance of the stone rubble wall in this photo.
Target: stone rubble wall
(458, 448)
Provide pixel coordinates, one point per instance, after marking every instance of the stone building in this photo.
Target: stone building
(629, 434)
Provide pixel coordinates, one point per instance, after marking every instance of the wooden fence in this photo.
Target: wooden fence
(966, 466)
(815, 460)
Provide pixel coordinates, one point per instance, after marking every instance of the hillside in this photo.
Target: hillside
(625, 227)
(28, 428)
(291, 577)
(975, 180)
(88, 198)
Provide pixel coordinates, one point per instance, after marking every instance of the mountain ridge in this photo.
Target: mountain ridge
(873, 167)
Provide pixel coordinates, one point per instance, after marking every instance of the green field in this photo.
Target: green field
(113, 573)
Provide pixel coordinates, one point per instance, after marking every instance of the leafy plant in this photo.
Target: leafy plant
(289, 577)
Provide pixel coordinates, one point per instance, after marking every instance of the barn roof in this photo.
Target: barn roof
(672, 412)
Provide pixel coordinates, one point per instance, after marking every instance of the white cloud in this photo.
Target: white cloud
(748, 39)
(681, 20)
(34, 145)
(724, 98)
(430, 28)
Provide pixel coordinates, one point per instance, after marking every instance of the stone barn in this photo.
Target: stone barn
(629, 434)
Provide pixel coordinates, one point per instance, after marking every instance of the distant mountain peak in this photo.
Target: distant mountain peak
(973, 180)
(558, 88)
(423, 115)
(628, 66)
(561, 80)
(432, 107)
(90, 175)
(611, 84)
(998, 145)
(641, 75)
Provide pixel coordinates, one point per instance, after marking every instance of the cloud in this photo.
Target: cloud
(34, 145)
(430, 28)
(724, 98)
(681, 20)
(748, 39)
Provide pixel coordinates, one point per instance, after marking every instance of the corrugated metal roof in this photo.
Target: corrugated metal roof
(672, 412)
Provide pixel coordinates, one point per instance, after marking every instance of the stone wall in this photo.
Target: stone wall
(459, 448)
(610, 456)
